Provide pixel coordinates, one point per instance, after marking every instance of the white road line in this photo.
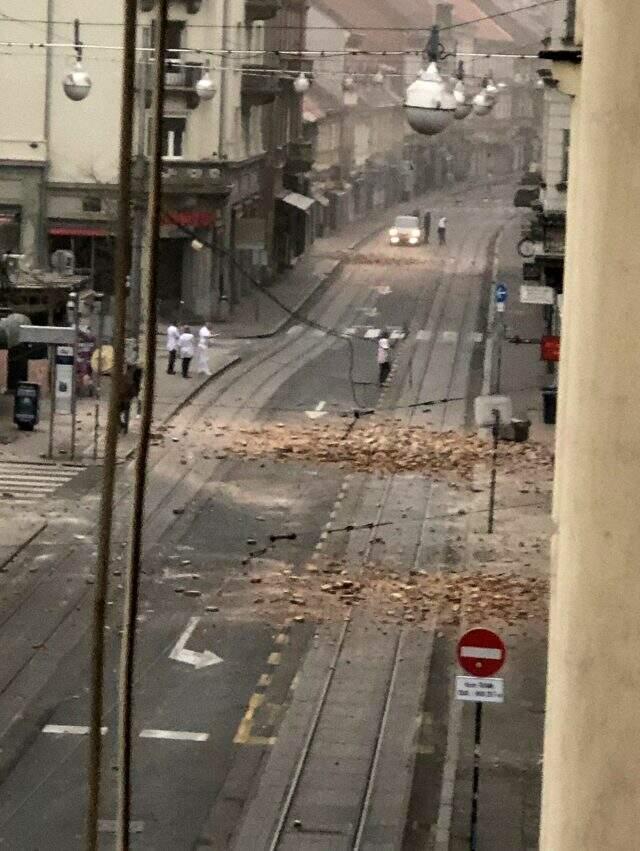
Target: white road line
(318, 332)
(372, 333)
(295, 329)
(349, 332)
(423, 336)
(174, 735)
(449, 336)
(478, 337)
(68, 730)
(397, 334)
(319, 411)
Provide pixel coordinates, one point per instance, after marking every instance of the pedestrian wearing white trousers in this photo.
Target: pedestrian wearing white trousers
(204, 338)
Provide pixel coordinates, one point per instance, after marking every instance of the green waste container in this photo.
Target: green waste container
(26, 406)
(549, 405)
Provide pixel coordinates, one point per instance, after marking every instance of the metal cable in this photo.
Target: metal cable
(105, 521)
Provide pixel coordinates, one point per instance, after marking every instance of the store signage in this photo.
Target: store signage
(550, 348)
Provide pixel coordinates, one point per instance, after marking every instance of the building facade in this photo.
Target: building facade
(59, 158)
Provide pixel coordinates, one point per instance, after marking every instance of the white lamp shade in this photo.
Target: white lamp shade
(482, 105)
(463, 104)
(77, 83)
(429, 105)
(205, 87)
(378, 78)
(301, 83)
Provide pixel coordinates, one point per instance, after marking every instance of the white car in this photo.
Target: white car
(406, 230)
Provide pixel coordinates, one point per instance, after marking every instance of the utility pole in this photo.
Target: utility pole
(591, 791)
(134, 314)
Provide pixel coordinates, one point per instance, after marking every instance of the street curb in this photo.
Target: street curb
(188, 399)
(23, 546)
(326, 279)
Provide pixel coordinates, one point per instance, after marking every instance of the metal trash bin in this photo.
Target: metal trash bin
(549, 405)
(26, 405)
(520, 430)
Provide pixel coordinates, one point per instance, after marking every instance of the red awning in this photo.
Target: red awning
(77, 230)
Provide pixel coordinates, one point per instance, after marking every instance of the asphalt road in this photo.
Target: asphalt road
(186, 718)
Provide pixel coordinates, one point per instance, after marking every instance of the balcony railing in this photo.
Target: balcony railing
(259, 87)
(261, 10)
(181, 80)
(197, 177)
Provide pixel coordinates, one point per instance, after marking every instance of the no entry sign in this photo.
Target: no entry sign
(481, 652)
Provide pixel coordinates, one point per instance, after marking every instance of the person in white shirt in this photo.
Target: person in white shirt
(186, 349)
(384, 358)
(442, 231)
(204, 337)
(173, 335)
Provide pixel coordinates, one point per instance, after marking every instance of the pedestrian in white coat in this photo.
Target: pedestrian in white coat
(173, 335)
(204, 337)
(186, 346)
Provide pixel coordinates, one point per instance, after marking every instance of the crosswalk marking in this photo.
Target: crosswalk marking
(423, 336)
(28, 482)
(449, 336)
(368, 332)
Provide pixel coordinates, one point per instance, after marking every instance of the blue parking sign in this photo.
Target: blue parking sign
(501, 294)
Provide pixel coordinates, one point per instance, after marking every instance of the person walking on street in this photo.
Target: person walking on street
(173, 335)
(442, 231)
(186, 349)
(204, 337)
(384, 358)
(427, 227)
(127, 395)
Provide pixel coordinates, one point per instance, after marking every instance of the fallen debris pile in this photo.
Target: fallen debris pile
(324, 592)
(387, 447)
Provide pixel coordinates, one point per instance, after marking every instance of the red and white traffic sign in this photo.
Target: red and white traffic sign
(481, 652)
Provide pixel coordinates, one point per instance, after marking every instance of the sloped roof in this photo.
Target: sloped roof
(525, 27)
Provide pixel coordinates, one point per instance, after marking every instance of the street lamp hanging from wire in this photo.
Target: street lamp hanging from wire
(77, 83)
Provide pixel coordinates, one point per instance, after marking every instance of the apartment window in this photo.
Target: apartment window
(570, 22)
(91, 205)
(566, 144)
(173, 130)
(173, 43)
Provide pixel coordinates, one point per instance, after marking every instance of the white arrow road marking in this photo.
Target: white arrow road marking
(69, 729)
(318, 412)
(384, 290)
(192, 657)
(174, 735)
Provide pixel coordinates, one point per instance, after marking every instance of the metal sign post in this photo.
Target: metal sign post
(494, 469)
(481, 652)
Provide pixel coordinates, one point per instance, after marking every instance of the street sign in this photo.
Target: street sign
(49, 334)
(481, 652)
(550, 348)
(536, 295)
(484, 406)
(480, 690)
(502, 293)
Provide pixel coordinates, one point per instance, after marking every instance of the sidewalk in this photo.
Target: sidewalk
(523, 374)
(258, 315)
(172, 393)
